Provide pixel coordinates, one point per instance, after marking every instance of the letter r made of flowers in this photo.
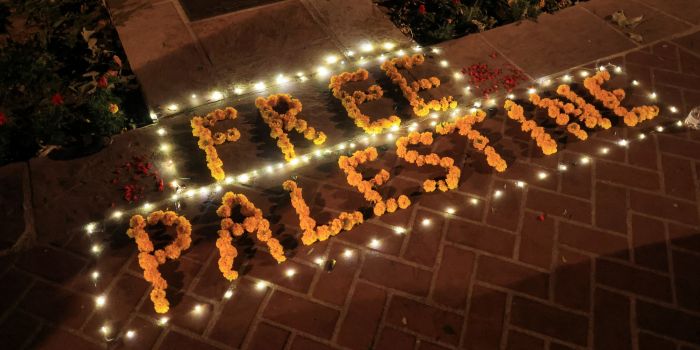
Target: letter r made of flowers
(280, 113)
(201, 128)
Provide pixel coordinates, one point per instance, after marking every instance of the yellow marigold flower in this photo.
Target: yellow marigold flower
(113, 108)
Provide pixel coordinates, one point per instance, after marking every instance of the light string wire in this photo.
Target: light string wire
(342, 148)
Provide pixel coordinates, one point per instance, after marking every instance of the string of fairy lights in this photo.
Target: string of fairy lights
(331, 63)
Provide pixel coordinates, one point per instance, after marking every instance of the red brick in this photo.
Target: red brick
(392, 339)
(545, 319)
(176, 341)
(572, 282)
(649, 239)
(558, 205)
(481, 237)
(593, 147)
(264, 267)
(58, 305)
(592, 240)
(404, 277)
(652, 60)
(439, 325)
(365, 233)
(18, 329)
(664, 207)
(473, 180)
(180, 273)
(455, 273)
(521, 341)
(611, 321)
(339, 198)
(424, 241)
(485, 320)
(611, 207)
(642, 153)
(679, 147)
(686, 267)
(528, 173)
(633, 280)
(689, 64)
(238, 313)
(330, 285)
(51, 263)
(505, 210)
(291, 311)
(121, 302)
(182, 313)
(678, 177)
(669, 322)
(50, 338)
(423, 345)
(536, 241)
(627, 176)
(302, 343)
(268, 337)
(512, 276)
(14, 283)
(147, 333)
(362, 319)
(684, 237)
(652, 342)
(676, 79)
(577, 181)
(640, 73)
(460, 202)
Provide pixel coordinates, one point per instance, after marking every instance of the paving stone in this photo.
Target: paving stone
(408, 278)
(424, 240)
(269, 337)
(649, 239)
(486, 318)
(505, 210)
(628, 176)
(633, 280)
(286, 309)
(552, 203)
(303, 343)
(686, 268)
(434, 323)
(669, 322)
(550, 321)
(56, 338)
(57, 305)
(177, 340)
(683, 9)
(516, 277)
(481, 237)
(572, 280)
(238, 313)
(395, 339)
(51, 263)
(11, 210)
(611, 207)
(678, 178)
(612, 321)
(362, 319)
(17, 329)
(592, 240)
(521, 341)
(536, 241)
(649, 342)
(454, 277)
(663, 207)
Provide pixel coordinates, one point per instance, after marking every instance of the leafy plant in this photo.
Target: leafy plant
(431, 21)
(61, 77)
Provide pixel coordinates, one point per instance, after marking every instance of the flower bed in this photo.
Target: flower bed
(431, 21)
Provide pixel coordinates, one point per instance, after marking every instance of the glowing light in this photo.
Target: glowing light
(366, 47)
(175, 197)
(117, 214)
(585, 160)
(497, 194)
(660, 128)
(194, 96)
(269, 169)
(161, 131)
(457, 75)
(400, 53)
(198, 309)
(375, 243)
(153, 115)
(652, 95)
(604, 150)
(163, 320)
(216, 95)
(319, 261)
(642, 136)
(426, 222)
(679, 123)
(474, 201)
(434, 115)
(173, 107)
(450, 210)
(623, 143)
(341, 146)
(618, 69)
(130, 334)
(417, 48)
(602, 68)
(584, 73)
(281, 79)
(228, 294)
(444, 63)
(165, 147)
(353, 145)
(542, 175)
(105, 330)
(147, 206)
(566, 77)
(394, 128)
(433, 123)
(545, 82)
(510, 96)
(96, 249)
(381, 58)
(562, 167)
(350, 53)
(413, 127)
(468, 90)
(204, 191)
(635, 83)
(238, 90)
(90, 228)
(260, 285)
(399, 230)
(389, 46)
(259, 86)
(243, 178)
(435, 50)
(100, 301)
(95, 275)
(673, 109)
(322, 72)
(531, 90)
(520, 184)
(477, 104)
(330, 59)
(348, 253)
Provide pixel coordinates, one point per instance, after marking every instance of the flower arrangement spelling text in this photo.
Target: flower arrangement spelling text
(201, 128)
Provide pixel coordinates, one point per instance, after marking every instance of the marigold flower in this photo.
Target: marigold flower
(113, 108)
(200, 128)
(612, 101)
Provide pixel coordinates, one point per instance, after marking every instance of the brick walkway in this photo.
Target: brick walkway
(615, 264)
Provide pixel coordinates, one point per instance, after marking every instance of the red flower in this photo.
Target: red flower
(456, 2)
(3, 119)
(102, 82)
(421, 9)
(57, 99)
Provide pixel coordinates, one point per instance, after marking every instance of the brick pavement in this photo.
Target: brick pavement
(613, 265)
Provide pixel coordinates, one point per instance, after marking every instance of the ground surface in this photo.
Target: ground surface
(603, 255)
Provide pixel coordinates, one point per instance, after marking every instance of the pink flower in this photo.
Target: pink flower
(57, 99)
(102, 82)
